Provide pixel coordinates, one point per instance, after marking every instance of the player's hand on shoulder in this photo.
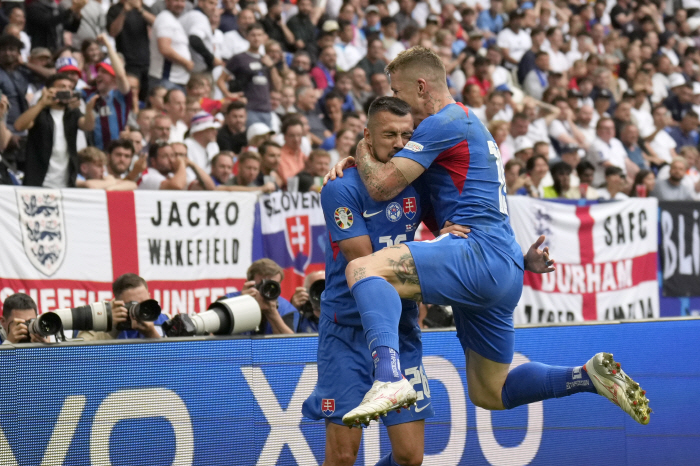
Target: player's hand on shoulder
(457, 230)
(337, 169)
(537, 260)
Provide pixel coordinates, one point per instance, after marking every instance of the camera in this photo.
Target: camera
(269, 289)
(226, 316)
(45, 325)
(65, 96)
(439, 317)
(315, 291)
(147, 311)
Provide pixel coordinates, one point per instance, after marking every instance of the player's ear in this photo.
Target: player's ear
(367, 135)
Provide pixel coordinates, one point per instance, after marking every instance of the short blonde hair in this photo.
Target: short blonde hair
(495, 125)
(421, 59)
(92, 155)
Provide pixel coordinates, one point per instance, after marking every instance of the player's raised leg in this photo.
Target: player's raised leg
(407, 444)
(342, 445)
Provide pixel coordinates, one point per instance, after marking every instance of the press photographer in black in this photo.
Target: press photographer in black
(279, 316)
(307, 299)
(128, 288)
(17, 310)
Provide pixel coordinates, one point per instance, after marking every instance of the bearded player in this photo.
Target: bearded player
(481, 276)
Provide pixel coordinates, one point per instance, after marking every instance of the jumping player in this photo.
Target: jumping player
(481, 277)
(359, 226)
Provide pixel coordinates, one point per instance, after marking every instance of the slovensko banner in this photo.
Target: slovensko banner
(680, 248)
(294, 235)
(606, 260)
(66, 247)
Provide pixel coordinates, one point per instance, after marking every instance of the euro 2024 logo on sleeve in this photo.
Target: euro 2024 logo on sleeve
(297, 235)
(43, 229)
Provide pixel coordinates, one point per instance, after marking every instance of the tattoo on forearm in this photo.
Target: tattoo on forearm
(405, 269)
(370, 168)
(359, 273)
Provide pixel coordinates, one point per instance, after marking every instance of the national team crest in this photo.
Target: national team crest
(328, 406)
(393, 212)
(409, 207)
(43, 228)
(298, 238)
(343, 218)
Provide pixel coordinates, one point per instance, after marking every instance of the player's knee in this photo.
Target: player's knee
(356, 270)
(486, 400)
(340, 457)
(408, 457)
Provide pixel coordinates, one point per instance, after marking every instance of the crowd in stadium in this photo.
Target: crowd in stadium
(584, 99)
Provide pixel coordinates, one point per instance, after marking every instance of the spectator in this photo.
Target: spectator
(561, 174)
(292, 159)
(673, 188)
(161, 129)
(234, 40)
(134, 135)
(93, 22)
(307, 100)
(257, 134)
(255, 74)
(482, 75)
(156, 98)
(92, 55)
(527, 61)
(515, 175)
(629, 137)
(303, 26)
(229, 20)
(558, 62)
(145, 120)
(232, 136)
(660, 142)
(279, 316)
(380, 85)
(128, 288)
(602, 103)
(52, 154)
(248, 170)
(644, 183)
(491, 21)
(513, 40)
(348, 55)
(17, 18)
(519, 127)
(275, 27)
(115, 101)
(606, 151)
(200, 35)
(374, 61)
(563, 130)
(680, 100)
(14, 85)
(323, 73)
(310, 311)
(686, 133)
(586, 171)
(524, 149)
(333, 112)
(201, 144)
(270, 153)
(345, 141)
(196, 177)
(175, 106)
(120, 154)
(128, 22)
(361, 91)
(165, 170)
(537, 169)
(584, 123)
(17, 309)
(614, 185)
(46, 21)
(499, 131)
(317, 165)
(170, 59)
(91, 173)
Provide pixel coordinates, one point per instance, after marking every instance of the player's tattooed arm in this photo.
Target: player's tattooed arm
(384, 181)
(405, 269)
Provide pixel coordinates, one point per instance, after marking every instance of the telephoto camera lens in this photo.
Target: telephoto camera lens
(316, 290)
(95, 317)
(269, 289)
(45, 325)
(224, 317)
(146, 311)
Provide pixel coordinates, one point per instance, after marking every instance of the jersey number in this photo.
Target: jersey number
(389, 242)
(493, 149)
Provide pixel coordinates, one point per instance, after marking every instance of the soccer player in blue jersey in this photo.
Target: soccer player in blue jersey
(481, 277)
(358, 226)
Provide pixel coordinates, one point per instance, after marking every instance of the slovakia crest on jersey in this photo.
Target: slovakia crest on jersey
(43, 228)
(409, 207)
(298, 239)
(328, 406)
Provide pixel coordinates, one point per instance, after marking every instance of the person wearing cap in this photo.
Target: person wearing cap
(13, 83)
(115, 101)
(52, 154)
(46, 22)
(513, 40)
(372, 20)
(257, 134)
(255, 74)
(201, 144)
(303, 26)
(492, 20)
(323, 73)
(680, 98)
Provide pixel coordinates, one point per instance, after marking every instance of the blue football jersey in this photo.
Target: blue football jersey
(351, 212)
(464, 175)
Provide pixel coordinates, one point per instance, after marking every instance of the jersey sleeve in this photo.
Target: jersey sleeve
(432, 137)
(342, 210)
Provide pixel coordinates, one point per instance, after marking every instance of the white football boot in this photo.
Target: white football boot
(381, 398)
(614, 384)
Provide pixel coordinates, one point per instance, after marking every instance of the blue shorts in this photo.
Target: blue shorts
(482, 285)
(345, 370)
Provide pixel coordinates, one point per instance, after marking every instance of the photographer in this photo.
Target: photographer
(128, 288)
(278, 315)
(307, 299)
(16, 311)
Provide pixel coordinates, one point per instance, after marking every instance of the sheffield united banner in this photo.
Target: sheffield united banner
(606, 260)
(66, 247)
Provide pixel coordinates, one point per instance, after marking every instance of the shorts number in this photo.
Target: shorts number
(416, 375)
(493, 149)
(392, 242)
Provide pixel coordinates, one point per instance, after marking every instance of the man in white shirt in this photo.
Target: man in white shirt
(557, 60)
(348, 55)
(584, 123)
(200, 35)
(513, 40)
(171, 61)
(660, 142)
(175, 104)
(168, 171)
(563, 129)
(537, 80)
(606, 151)
(640, 115)
(201, 145)
(234, 41)
(660, 80)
